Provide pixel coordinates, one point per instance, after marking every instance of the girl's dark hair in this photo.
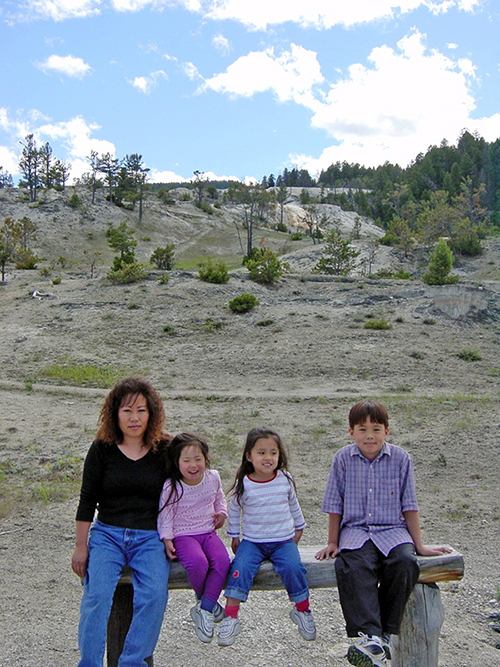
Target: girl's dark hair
(246, 466)
(360, 412)
(173, 454)
(128, 390)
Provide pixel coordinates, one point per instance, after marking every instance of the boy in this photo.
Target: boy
(374, 531)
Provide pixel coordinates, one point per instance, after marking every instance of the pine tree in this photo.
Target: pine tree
(440, 265)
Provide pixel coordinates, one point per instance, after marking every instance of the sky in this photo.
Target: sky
(245, 88)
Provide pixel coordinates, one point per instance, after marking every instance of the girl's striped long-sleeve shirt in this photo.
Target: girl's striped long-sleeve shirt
(267, 512)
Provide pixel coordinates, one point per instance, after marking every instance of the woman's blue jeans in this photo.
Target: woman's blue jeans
(110, 549)
(285, 558)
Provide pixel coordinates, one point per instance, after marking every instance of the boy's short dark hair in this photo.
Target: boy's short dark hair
(360, 412)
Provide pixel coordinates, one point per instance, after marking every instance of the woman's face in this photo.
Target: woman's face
(133, 416)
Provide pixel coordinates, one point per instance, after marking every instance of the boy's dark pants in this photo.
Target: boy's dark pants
(374, 588)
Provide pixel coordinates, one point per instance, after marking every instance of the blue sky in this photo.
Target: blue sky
(243, 88)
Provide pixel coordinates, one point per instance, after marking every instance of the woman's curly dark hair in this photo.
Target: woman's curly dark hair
(130, 388)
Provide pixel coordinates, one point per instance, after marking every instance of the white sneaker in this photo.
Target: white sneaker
(218, 613)
(367, 652)
(387, 645)
(203, 622)
(305, 621)
(228, 631)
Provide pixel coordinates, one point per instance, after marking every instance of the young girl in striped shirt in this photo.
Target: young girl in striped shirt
(192, 508)
(271, 527)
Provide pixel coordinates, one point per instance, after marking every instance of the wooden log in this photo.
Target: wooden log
(421, 624)
(418, 641)
(321, 573)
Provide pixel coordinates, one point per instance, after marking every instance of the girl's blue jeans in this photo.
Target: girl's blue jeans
(110, 549)
(285, 558)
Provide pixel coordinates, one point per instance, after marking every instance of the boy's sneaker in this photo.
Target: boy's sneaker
(203, 622)
(367, 652)
(218, 612)
(228, 630)
(305, 621)
(387, 645)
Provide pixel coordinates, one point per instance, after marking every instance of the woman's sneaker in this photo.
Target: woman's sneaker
(228, 631)
(305, 621)
(367, 652)
(203, 623)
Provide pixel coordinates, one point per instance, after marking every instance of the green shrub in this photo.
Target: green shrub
(163, 258)
(74, 201)
(243, 303)
(211, 272)
(163, 279)
(378, 324)
(205, 207)
(128, 273)
(213, 325)
(402, 275)
(297, 236)
(264, 267)
(469, 355)
(56, 280)
(265, 323)
(169, 329)
(26, 260)
(281, 227)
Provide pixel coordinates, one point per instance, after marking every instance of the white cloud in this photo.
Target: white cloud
(190, 71)
(9, 160)
(68, 65)
(145, 84)
(59, 10)
(404, 101)
(71, 140)
(75, 135)
(157, 176)
(290, 76)
(221, 44)
(259, 14)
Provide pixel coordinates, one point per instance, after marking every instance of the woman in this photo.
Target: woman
(123, 477)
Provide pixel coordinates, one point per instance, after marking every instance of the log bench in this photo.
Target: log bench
(416, 645)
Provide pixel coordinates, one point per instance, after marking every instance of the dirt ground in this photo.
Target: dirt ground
(297, 362)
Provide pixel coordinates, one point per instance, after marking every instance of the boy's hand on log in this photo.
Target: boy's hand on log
(330, 551)
(433, 551)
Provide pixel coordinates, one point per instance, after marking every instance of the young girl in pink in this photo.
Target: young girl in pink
(192, 508)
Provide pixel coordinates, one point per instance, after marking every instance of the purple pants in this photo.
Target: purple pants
(206, 562)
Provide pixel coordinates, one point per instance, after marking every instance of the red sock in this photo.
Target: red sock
(302, 606)
(232, 611)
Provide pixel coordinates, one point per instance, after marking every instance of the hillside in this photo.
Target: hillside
(296, 362)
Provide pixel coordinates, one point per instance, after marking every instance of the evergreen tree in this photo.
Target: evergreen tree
(440, 265)
(339, 257)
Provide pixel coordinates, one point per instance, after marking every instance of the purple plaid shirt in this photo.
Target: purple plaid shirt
(371, 496)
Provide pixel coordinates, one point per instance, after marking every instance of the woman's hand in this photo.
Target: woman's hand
(235, 543)
(79, 560)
